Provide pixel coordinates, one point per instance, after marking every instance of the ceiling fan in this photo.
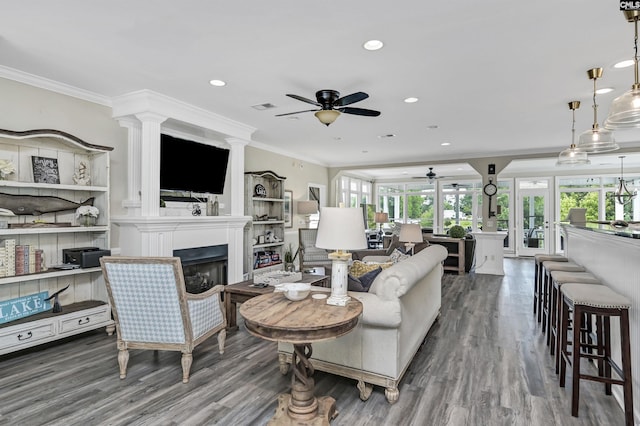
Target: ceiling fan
(332, 105)
(431, 175)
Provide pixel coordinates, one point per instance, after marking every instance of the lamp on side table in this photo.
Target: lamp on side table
(410, 233)
(340, 229)
(381, 217)
(307, 208)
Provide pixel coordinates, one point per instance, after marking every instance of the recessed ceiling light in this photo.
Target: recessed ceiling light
(604, 90)
(373, 45)
(365, 151)
(293, 118)
(411, 100)
(432, 126)
(624, 64)
(217, 83)
(262, 107)
(388, 135)
(445, 143)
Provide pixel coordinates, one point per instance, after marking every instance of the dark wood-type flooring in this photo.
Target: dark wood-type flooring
(484, 362)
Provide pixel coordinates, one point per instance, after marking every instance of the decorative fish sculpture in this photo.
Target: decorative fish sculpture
(38, 204)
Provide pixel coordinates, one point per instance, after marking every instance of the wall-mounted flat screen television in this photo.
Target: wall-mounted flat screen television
(191, 166)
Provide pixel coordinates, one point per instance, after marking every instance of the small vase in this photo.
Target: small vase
(87, 221)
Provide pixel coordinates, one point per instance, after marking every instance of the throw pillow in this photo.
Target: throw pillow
(363, 283)
(367, 279)
(359, 268)
(354, 284)
(397, 256)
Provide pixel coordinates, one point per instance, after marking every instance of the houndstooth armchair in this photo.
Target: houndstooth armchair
(152, 309)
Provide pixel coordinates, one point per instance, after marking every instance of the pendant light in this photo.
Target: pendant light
(596, 139)
(573, 156)
(625, 110)
(623, 194)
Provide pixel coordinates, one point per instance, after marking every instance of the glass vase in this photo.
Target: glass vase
(88, 220)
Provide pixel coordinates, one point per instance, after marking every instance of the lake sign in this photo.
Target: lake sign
(11, 310)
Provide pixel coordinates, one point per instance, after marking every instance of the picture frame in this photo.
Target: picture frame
(287, 213)
(45, 170)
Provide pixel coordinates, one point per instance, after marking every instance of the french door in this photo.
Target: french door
(533, 234)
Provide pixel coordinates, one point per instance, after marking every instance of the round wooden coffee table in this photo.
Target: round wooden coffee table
(276, 318)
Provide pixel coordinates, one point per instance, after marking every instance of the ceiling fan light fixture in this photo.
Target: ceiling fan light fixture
(625, 109)
(596, 139)
(327, 116)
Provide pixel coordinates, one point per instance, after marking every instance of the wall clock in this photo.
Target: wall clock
(490, 190)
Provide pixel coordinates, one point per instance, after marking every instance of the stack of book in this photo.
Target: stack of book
(19, 259)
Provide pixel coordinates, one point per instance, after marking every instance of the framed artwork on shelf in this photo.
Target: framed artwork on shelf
(287, 213)
(45, 170)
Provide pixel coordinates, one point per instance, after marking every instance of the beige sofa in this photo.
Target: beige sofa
(399, 309)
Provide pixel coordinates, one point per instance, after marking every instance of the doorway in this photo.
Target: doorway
(533, 231)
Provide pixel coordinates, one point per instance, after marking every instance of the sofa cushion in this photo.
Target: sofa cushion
(359, 268)
(363, 282)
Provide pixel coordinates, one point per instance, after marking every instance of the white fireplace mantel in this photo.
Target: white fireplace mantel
(160, 236)
(143, 231)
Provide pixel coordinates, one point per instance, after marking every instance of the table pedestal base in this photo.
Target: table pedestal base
(325, 413)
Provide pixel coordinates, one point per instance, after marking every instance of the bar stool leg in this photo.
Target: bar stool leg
(562, 349)
(575, 361)
(625, 344)
(607, 352)
(536, 290)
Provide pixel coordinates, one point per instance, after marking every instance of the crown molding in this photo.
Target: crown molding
(53, 86)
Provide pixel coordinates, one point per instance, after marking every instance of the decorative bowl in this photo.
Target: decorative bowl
(294, 291)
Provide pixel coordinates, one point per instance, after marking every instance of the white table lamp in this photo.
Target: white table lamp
(410, 233)
(340, 229)
(307, 208)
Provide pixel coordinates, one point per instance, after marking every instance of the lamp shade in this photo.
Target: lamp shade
(308, 207)
(341, 229)
(572, 156)
(381, 217)
(410, 233)
(327, 116)
(597, 140)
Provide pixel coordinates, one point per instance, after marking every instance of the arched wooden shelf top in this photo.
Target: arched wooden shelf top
(58, 134)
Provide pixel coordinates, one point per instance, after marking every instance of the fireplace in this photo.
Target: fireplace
(203, 267)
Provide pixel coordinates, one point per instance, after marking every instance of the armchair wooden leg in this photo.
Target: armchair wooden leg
(123, 360)
(187, 359)
(222, 338)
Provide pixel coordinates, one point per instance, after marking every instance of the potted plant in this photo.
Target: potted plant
(457, 231)
(289, 258)
(87, 215)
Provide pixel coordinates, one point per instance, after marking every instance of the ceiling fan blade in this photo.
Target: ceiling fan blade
(360, 111)
(350, 99)
(300, 98)
(297, 112)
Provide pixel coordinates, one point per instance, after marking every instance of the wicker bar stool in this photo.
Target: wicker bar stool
(538, 279)
(559, 278)
(603, 303)
(548, 266)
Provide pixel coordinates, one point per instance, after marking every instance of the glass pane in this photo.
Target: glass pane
(422, 187)
(458, 210)
(533, 221)
(588, 200)
(421, 210)
(534, 184)
(353, 200)
(579, 183)
(502, 215)
(393, 205)
(389, 189)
